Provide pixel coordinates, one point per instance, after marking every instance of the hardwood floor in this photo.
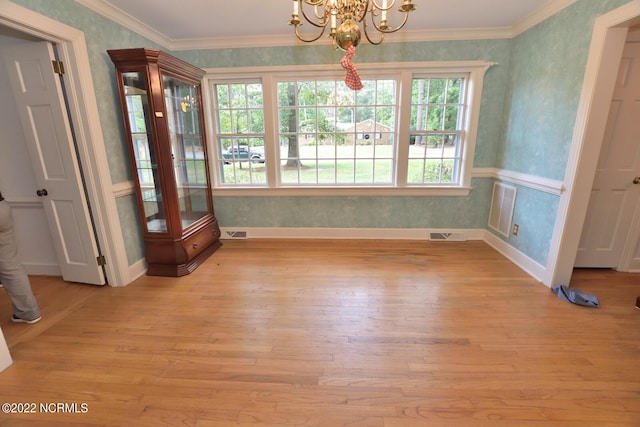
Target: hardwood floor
(330, 333)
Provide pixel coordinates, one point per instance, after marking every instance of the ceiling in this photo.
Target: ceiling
(255, 21)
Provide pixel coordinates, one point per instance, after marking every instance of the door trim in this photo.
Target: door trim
(84, 114)
(608, 38)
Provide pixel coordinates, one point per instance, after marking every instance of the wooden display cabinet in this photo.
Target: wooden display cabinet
(161, 99)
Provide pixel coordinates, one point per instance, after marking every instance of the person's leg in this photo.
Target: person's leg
(12, 274)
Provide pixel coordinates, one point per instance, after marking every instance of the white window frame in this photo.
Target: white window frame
(404, 72)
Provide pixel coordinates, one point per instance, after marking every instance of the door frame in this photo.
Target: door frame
(83, 111)
(614, 249)
(608, 39)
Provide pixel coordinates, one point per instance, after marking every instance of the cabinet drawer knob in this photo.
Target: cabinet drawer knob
(195, 246)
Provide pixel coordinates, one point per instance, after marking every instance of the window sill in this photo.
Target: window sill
(340, 191)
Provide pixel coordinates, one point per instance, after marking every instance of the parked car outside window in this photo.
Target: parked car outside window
(242, 153)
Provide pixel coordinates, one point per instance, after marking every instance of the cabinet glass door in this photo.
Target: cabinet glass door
(140, 127)
(188, 153)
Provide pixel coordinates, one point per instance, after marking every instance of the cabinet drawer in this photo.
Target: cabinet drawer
(201, 240)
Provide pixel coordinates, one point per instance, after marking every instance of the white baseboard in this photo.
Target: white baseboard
(137, 270)
(527, 264)
(347, 233)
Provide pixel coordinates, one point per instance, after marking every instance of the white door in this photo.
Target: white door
(39, 99)
(616, 189)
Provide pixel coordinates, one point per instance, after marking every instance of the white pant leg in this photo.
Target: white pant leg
(12, 274)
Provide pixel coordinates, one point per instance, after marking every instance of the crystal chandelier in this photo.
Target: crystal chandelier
(343, 17)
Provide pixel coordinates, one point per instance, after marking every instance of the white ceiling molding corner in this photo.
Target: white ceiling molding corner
(549, 9)
(118, 16)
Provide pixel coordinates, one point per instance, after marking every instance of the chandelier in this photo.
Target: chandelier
(343, 17)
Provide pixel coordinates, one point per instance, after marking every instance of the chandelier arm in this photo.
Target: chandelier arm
(319, 24)
(366, 34)
(389, 30)
(301, 38)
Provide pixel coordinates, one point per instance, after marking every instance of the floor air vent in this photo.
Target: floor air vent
(450, 237)
(238, 235)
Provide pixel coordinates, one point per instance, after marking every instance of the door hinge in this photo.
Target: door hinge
(102, 261)
(58, 67)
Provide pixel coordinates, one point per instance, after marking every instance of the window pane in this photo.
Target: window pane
(367, 96)
(307, 120)
(240, 121)
(415, 173)
(222, 94)
(286, 94)
(435, 118)
(256, 121)
(238, 96)
(432, 171)
(287, 120)
(386, 92)
(454, 91)
(383, 171)
(224, 121)
(436, 91)
(451, 117)
(254, 93)
(326, 92)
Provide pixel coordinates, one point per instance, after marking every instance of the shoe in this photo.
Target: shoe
(16, 319)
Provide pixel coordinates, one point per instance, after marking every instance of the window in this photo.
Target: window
(437, 118)
(320, 132)
(240, 133)
(410, 129)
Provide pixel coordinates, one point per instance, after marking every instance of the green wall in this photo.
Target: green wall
(359, 212)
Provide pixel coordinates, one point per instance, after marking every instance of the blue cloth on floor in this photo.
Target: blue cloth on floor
(576, 296)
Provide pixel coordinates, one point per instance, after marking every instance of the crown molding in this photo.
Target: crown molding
(289, 40)
(120, 17)
(546, 11)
